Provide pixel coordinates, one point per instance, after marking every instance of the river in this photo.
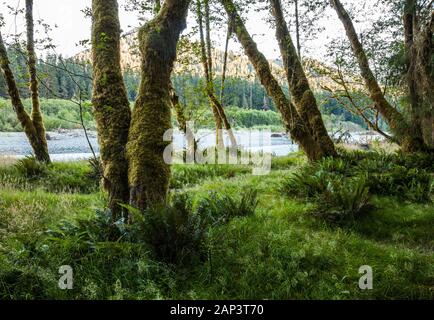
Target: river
(72, 145)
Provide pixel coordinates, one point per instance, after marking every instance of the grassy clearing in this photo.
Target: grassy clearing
(282, 251)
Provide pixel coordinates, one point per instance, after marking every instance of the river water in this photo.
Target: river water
(72, 145)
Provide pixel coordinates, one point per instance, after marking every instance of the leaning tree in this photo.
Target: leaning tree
(32, 124)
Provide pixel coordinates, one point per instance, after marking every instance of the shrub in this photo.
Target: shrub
(173, 232)
(179, 231)
(222, 208)
(307, 184)
(414, 160)
(30, 168)
(338, 197)
(406, 184)
(96, 172)
(347, 200)
(99, 228)
(188, 175)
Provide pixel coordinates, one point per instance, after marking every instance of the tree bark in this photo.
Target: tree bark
(182, 122)
(409, 138)
(157, 6)
(416, 108)
(205, 62)
(225, 63)
(39, 146)
(207, 56)
(148, 174)
(424, 69)
(210, 88)
(301, 94)
(297, 28)
(34, 88)
(110, 102)
(293, 122)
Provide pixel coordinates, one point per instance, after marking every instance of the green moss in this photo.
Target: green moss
(111, 106)
(148, 174)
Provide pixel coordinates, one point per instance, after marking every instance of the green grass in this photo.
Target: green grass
(73, 177)
(281, 252)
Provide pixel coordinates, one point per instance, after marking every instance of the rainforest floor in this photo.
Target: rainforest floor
(281, 249)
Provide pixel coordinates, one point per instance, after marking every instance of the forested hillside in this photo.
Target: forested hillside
(61, 79)
(201, 168)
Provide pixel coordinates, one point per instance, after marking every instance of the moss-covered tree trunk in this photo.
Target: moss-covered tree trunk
(110, 102)
(410, 138)
(211, 92)
(34, 88)
(301, 94)
(33, 128)
(424, 77)
(149, 174)
(207, 67)
(294, 124)
(181, 118)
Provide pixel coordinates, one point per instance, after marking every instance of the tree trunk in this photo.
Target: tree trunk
(39, 148)
(297, 28)
(225, 63)
(218, 110)
(148, 174)
(424, 56)
(409, 139)
(205, 62)
(110, 102)
(302, 96)
(34, 89)
(294, 124)
(416, 107)
(182, 122)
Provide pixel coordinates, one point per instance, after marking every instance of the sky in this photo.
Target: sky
(73, 27)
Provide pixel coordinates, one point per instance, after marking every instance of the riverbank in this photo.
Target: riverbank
(72, 145)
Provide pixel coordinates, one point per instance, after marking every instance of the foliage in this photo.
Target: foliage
(222, 208)
(30, 168)
(177, 233)
(97, 169)
(342, 187)
(407, 184)
(55, 177)
(280, 252)
(188, 175)
(338, 198)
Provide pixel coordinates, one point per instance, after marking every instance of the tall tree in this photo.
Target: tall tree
(149, 174)
(301, 94)
(210, 88)
(407, 134)
(205, 49)
(110, 101)
(33, 125)
(419, 53)
(297, 27)
(298, 129)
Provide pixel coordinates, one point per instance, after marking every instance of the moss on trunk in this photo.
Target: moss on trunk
(182, 120)
(110, 102)
(34, 88)
(408, 135)
(294, 124)
(38, 145)
(148, 174)
(205, 51)
(302, 96)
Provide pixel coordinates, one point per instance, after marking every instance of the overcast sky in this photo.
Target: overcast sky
(74, 27)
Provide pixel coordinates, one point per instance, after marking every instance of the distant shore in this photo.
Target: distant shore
(70, 145)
